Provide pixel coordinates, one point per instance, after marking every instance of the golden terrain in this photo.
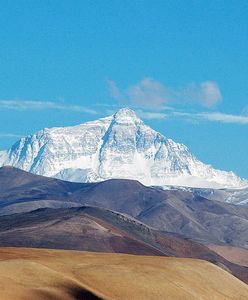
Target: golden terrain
(57, 274)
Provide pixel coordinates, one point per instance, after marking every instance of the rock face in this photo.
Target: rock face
(119, 146)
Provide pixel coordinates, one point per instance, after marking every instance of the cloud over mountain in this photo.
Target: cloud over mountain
(151, 93)
(43, 105)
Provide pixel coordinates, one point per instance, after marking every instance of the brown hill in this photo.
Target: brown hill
(66, 275)
(179, 212)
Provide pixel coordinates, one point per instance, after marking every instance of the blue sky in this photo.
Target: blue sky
(182, 65)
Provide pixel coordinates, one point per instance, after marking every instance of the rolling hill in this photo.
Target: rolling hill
(66, 275)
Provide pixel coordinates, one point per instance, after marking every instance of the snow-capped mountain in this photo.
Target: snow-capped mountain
(119, 146)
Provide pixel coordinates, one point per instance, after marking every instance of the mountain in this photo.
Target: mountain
(176, 211)
(119, 146)
(96, 229)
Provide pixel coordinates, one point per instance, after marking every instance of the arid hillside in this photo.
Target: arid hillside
(55, 274)
(234, 254)
(179, 212)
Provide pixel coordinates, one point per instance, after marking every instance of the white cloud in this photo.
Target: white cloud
(148, 92)
(213, 117)
(225, 118)
(152, 93)
(114, 91)
(149, 115)
(245, 111)
(10, 135)
(206, 93)
(42, 105)
(146, 115)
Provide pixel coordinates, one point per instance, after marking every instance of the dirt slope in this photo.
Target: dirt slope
(236, 255)
(55, 274)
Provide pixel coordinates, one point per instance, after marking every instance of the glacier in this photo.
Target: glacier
(118, 146)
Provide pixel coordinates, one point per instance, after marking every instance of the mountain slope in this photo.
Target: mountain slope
(84, 228)
(21, 191)
(119, 146)
(100, 230)
(179, 212)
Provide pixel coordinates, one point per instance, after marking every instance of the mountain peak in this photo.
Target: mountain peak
(126, 115)
(120, 146)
